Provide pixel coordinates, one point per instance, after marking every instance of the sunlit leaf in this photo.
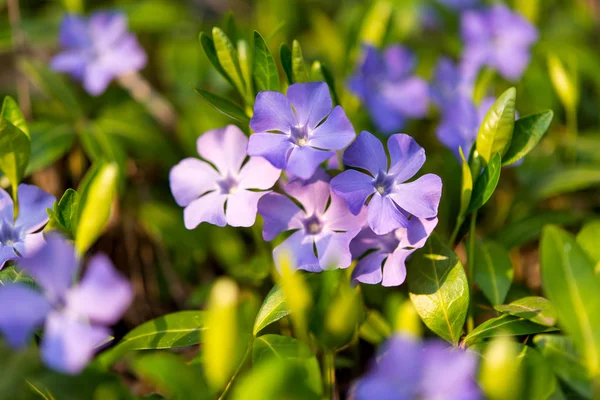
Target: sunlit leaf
(298, 64)
(12, 113)
(493, 270)
(266, 75)
(496, 130)
(273, 309)
(228, 58)
(588, 238)
(15, 149)
(534, 308)
(505, 325)
(528, 132)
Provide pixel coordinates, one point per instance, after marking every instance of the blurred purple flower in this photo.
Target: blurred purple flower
(393, 200)
(388, 251)
(17, 238)
(324, 223)
(407, 369)
(226, 191)
(97, 50)
(384, 81)
(300, 131)
(498, 38)
(76, 316)
(459, 4)
(449, 83)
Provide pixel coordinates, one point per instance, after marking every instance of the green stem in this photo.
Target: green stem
(459, 221)
(329, 390)
(237, 371)
(470, 268)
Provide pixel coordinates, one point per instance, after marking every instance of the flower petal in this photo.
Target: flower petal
(312, 194)
(241, 207)
(368, 269)
(394, 269)
(72, 62)
(300, 248)
(7, 253)
(418, 232)
(208, 208)
(304, 161)
(280, 214)
(385, 115)
(190, 179)
(103, 295)
(383, 215)
(275, 147)
(258, 173)
(367, 153)
(23, 310)
(333, 249)
(335, 133)
(311, 101)
(420, 198)
(399, 62)
(74, 32)
(339, 218)
(409, 97)
(406, 156)
(272, 112)
(354, 187)
(365, 240)
(225, 148)
(96, 79)
(106, 28)
(6, 207)
(33, 203)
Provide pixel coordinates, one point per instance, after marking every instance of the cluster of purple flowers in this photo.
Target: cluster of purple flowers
(333, 220)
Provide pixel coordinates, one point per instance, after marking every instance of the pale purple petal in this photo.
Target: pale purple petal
(421, 197)
(7, 253)
(333, 249)
(275, 147)
(367, 153)
(241, 207)
(103, 295)
(365, 240)
(208, 208)
(127, 48)
(311, 101)
(304, 161)
(406, 156)
(339, 218)
(335, 133)
(74, 32)
(383, 215)
(6, 207)
(258, 173)
(225, 148)
(280, 214)
(33, 205)
(313, 194)
(107, 28)
(32, 244)
(299, 247)
(354, 187)
(23, 310)
(96, 79)
(394, 269)
(512, 68)
(368, 269)
(190, 179)
(399, 62)
(409, 97)
(272, 112)
(69, 344)
(72, 62)
(418, 232)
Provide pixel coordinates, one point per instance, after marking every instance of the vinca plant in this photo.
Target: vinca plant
(300, 200)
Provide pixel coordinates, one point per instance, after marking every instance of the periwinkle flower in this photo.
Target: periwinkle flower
(323, 226)
(384, 81)
(392, 199)
(300, 130)
(97, 50)
(387, 254)
(499, 38)
(450, 82)
(223, 190)
(76, 316)
(407, 369)
(18, 237)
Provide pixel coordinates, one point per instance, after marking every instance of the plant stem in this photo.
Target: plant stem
(470, 269)
(329, 390)
(459, 222)
(237, 371)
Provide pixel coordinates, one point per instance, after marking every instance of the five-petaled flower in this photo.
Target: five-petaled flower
(392, 200)
(385, 83)
(409, 369)
(323, 226)
(97, 50)
(18, 237)
(76, 316)
(299, 131)
(388, 252)
(226, 192)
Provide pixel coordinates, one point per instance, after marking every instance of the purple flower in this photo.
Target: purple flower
(76, 316)
(407, 369)
(459, 4)
(298, 132)
(388, 252)
(323, 226)
(498, 38)
(393, 200)
(449, 83)
(384, 82)
(226, 191)
(17, 238)
(97, 50)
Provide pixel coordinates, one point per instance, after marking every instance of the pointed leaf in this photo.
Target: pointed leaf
(493, 270)
(467, 185)
(496, 130)
(285, 56)
(566, 180)
(505, 325)
(228, 58)
(12, 113)
(563, 82)
(298, 64)
(15, 149)
(266, 75)
(225, 106)
(64, 214)
(211, 53)
(534, 308)
(528, 132)
(273, 309)
(486, 184)
(588, 238)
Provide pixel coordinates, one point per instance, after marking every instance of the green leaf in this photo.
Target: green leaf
(298, 64)
(438, 289)
(211, 53)
(225, 106)
(528, 132)
(10, 275)
(375, 329)
(467, 185)
(569, 282)
(328, 78)
(269, 347)
(12, 113)
(266, 75)
(15, 149)
(63, 215)
(49, 142)
(588, 239)
(562, 356)
(179, 329)
(493, 270)
(534, 308)
(285, 56)
(273, 309)
(228, 58)
(95, 206)
(486, 183)
(505, 325)
(564, 83)
(245, 58)
(541, 382)
(496, 131)
(566, 180)
(376, 22)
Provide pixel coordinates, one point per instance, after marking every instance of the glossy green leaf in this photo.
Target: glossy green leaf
(562, 356)
(12, 113)
(467, 186)
(211, 53)
(49, 143)
(15, 149)
(505, 325)
(528, 132)
(438, 289)
(273, 309)
(269, 347)
(496, 130)
(493, 270)
(285, 56)
(63, 215)
(566, 180)
(225, 106)
(266, 75)
(298, 64)
(534, 308)
(589, 238)
(229, 60)
(486, 184)
(569, 282)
